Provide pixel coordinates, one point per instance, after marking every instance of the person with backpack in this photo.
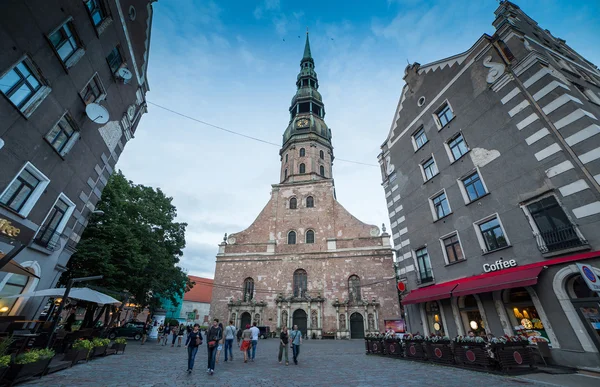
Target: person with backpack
(230, 334)
(214, 337)
(194, 339)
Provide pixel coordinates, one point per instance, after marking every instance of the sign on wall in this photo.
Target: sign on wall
(398, 326)
(590, 277)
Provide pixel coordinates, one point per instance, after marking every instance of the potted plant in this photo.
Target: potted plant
(119, 344)
(472, 352)
(393, 346)
(511, 351)
(5, 359)
(28, 364)
(100, 346)
(414, 346)
(79, 351)
(4, 363)
(439, 349)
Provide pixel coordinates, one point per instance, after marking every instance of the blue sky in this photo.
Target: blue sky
(234, 64)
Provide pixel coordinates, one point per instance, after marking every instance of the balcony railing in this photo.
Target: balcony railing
(559, 239)
(48, 238)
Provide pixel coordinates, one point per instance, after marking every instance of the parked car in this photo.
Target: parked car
(131, 329)
(265, 332)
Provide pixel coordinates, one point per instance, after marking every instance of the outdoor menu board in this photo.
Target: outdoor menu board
(397, 325)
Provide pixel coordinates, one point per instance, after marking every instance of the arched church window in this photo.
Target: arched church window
(286, 158)
(310, 202)
(285, 174)
(292, 238)
(300, 283)
(354, 288)
(248, 289)
(321, 155)
(302, 152)
(310, 236)
(322, 171)
(293, 203)
(302, 168)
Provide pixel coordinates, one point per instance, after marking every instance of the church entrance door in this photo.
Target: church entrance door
(246, 319)
(300, 319)
(357, 326)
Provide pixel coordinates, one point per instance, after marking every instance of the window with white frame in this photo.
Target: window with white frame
(452, 248)
(93, 91)
(424, 265)
(65, 41)
(21, 83)
(429, 168)
(440, 206)
(63, 135)
(491, 234)
(457, 147)
(444, 115)
(49, 234)
(25, 190)
(472, 187)
(419, 138)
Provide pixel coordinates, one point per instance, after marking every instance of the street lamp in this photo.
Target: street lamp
(64, 299)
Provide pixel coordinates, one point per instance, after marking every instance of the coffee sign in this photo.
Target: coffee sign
(499, 265)
(8, 229)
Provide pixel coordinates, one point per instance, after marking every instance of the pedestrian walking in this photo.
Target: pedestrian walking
(144, 333)
(283, 345)
(166, 332)
(214, 337)
(255, 332)
(220, 346)
(246, 342)
(160, 333)
(174, 331)
(296, 337)
(194, 339)
(180, 334)
(230, 333)
(239, 336)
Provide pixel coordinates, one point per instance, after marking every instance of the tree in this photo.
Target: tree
(135, 244)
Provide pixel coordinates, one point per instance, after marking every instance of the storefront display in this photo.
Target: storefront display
(523, 315)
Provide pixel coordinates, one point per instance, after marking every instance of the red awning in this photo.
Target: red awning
(513, 277)
(435, 292)
(500, 281)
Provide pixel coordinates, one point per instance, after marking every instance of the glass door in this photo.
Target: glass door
(589, 312)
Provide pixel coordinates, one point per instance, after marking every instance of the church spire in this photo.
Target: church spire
(307, 54)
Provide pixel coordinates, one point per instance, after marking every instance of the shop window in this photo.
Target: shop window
(523, 315)
(248, 289)
(15, 284)
(470, 315)
(434, 320)
(577, 288)
(300, 283)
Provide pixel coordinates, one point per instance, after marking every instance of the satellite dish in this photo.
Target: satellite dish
(97, 113)
(124, 74)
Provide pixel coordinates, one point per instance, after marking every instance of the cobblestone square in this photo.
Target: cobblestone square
(321, 363)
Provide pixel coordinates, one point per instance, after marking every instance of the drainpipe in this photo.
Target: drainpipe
(545, 118)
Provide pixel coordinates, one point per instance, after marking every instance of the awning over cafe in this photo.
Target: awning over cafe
(84, 294)
(513, 277)
(15, 268)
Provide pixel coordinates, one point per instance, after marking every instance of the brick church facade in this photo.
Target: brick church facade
(306, 260)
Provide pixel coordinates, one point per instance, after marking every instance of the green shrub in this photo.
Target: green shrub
(98, 342)
(45, 353)
(83, 344)
(173, 323)
(4, 360)
(34, 355)
(121, 340)
(5, 344)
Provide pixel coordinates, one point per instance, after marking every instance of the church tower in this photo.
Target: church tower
(307, 153)
(306, 260)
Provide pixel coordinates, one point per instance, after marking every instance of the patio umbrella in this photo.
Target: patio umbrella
(84, 294)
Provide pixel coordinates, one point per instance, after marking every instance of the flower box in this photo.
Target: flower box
(377, 347)
(99, 351)
(414, 350)
(119, 347)
(19, 372)
(512, 357)
(440, 352)
(473, 355)
(393, 347)
(77, 355)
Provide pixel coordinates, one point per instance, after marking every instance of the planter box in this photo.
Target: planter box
(393, 348)
(119, 347)
(19, 372)
(414, 350)
(98, 351)
(473, 356)
(3, 371)
(328, 337)
(377, 347)
(77, 355)
(512, 357)
(439, 353)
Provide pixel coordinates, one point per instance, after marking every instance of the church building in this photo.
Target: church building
(306, 260)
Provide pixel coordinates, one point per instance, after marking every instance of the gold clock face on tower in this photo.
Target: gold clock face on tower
(302, 123)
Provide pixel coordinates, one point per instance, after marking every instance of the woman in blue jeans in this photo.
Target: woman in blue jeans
(194, 339)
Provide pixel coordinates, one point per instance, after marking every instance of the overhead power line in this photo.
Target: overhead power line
(240, 134)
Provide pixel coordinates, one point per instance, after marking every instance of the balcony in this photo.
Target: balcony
(48, 238)
(563, 239)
